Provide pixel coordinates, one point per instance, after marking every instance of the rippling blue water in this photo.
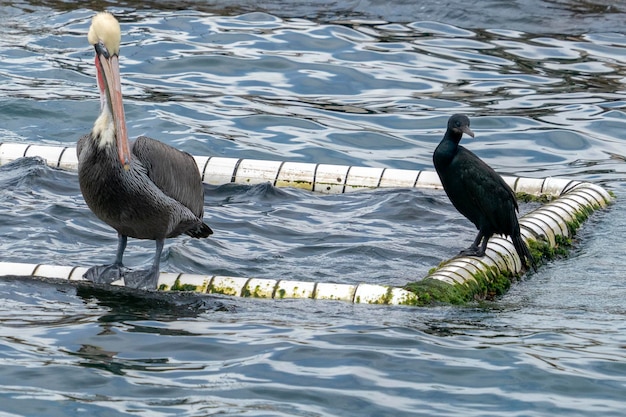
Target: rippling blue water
(353, 83)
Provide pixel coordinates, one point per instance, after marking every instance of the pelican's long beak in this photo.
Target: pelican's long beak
(105, 35)
(111, 94)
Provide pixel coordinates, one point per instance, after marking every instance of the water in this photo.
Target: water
(357, 83)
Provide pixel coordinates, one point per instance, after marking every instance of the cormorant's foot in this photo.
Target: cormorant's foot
(104, 274)
(472, 251)
(142, 280)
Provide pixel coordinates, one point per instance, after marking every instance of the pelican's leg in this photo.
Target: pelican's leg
(106, 274)
(121, 247)
(146, 280)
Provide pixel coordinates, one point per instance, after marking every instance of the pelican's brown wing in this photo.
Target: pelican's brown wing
(173, 171)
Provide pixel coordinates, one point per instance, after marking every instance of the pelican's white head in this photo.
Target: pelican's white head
(105, 29)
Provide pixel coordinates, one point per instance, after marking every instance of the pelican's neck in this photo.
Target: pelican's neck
(104, 129)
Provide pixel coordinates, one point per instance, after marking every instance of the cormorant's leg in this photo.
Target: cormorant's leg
(474, 250)
(483, 247)
(146, 280)
(106, 274)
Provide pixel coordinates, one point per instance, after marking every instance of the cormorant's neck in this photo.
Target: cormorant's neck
(447, 149)
(453, 136)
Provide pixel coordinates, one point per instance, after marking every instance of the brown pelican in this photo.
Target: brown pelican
(148, 190)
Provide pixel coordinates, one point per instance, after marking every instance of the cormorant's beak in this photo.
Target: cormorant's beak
(111, 94)
(465, 129)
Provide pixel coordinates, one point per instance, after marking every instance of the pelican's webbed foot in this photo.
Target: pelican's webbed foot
(104, 274)
(143, 279)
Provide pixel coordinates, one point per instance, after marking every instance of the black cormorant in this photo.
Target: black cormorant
(477, 191)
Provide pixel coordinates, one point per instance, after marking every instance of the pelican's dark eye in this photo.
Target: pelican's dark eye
(102, 49)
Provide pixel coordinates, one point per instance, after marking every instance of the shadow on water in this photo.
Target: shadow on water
(135, 307)
(127, 304)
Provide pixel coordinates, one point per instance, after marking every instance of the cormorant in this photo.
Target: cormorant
(477, 191)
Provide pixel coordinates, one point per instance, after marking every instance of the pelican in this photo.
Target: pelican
(145, 190)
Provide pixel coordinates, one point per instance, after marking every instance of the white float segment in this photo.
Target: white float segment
(466, 267)
(557, 186)
(227, 285)
(539, 230)
(201, 162)
(359, 177)
(447, 276)
(330, 179)
(498, 258)
(454, 277)
(428, 179)
(77, 274)
(398, 178)
(294, 289)
(332, 291)
(17, 268)
(51, 154)
(557, 224)
(165, 278)
(596, 193)
(53, 271)
(251, 171)
(532, 186)
(296, 175)
(12, 151)
(219, 170)
(579, 198)
(372, 294)
(559, 211)
(506, 249)
(260, 288)
(68, 160)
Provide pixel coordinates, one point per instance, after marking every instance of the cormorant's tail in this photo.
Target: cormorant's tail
(200, 231)
(522, 250)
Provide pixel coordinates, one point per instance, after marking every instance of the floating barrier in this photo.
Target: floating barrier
(236, 286)
(460, 279)
(324, 178)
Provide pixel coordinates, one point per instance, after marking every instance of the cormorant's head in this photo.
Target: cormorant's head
(459, 124)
